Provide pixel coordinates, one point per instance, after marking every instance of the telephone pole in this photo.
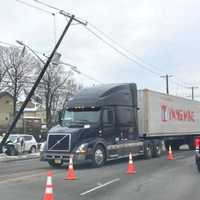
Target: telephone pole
(193, 88)
(167, 76)
(46, 64)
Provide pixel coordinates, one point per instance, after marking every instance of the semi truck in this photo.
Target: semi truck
(109, 121)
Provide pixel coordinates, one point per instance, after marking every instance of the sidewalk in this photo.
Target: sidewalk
(5, 158)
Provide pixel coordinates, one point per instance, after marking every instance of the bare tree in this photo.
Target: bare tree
(2, 70)
(71, 88)
(51, 89)
(19, 66)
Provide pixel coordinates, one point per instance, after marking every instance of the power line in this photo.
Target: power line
(45, 4)
(36, 7)
(46, 11)
(153, 67)
(62, 12)
(8, 44)
(120, 46)
(54, 28)
(122, 53)
(73, 67)
(134, 58)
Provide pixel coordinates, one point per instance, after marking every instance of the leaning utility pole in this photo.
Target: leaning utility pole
(16, 118)
(167, 82)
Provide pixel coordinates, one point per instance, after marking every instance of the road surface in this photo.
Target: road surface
(155, 179)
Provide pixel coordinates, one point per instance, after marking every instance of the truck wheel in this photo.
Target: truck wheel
(55, 165)
(157, 150)
(99, 156)
(148, 151)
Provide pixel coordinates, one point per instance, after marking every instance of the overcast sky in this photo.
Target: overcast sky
(165, 34)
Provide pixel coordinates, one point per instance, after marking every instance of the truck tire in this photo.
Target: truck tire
(148, 150)
(99, 156)
(157, 149)
(55, 165)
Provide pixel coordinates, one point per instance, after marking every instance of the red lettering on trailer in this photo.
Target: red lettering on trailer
(171, 114)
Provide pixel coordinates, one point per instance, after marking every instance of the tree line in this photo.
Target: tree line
(18, 72)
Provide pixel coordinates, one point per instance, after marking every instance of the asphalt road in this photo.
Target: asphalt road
(156, 179)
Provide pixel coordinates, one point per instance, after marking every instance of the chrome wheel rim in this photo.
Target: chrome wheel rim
(99, 156)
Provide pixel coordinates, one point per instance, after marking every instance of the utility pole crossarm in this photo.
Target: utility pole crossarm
(66, 14)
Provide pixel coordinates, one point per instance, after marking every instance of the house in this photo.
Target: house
(6, 109)
(34, 115)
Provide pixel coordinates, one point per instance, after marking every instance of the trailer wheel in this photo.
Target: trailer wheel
(157, 149)
(148, 150)
(99, 156)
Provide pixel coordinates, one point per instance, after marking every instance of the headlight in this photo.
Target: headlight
(82, 148)
(42, 147)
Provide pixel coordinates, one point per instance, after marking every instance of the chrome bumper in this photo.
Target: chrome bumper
(77, 158)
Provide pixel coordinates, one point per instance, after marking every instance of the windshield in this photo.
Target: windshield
(12, 138)
(71, 118)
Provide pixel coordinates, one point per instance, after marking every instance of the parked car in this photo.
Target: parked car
(18, 143)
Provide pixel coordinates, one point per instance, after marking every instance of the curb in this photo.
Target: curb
(10, 159)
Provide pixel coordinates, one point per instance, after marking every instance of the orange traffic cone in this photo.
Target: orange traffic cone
(170, 154)
(71, 173)
(131, 165)
(49, 187)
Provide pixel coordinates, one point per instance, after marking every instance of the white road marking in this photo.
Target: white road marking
(100, 186)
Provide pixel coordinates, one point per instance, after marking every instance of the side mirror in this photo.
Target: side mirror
(59, 117)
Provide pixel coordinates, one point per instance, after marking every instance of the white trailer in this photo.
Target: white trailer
(174, 118)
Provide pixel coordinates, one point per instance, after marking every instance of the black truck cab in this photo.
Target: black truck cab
(100, 123)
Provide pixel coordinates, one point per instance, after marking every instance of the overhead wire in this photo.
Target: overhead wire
(33, 6)
(46, 4)
(141, 61)
(53, 14)
(122, 53)
(113, 44)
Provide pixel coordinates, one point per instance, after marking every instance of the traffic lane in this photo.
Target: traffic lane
(22, 166)
(177, 180)
(88, 178)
